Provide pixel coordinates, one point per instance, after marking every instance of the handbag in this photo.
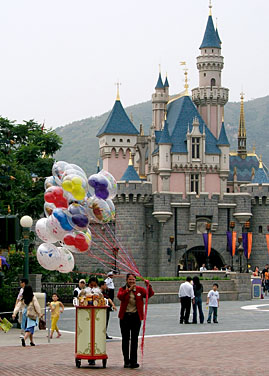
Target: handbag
(42, 324)
(31, 312)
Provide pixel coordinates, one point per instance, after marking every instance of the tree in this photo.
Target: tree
(26, 152)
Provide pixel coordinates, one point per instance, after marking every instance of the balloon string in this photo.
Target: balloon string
(144, 323)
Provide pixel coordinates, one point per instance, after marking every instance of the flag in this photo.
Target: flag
(207, 242)
(247, 243)
(231, 240)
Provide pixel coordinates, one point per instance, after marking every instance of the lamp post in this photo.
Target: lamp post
(232, 226)
(208, 227)
(240, 251)
(247, 226)
(26, 223)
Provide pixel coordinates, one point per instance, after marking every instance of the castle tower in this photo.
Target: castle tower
(242, 134)
(210, 97)
(165, 144)
(117, 139)
(224, 147)
(159, 102)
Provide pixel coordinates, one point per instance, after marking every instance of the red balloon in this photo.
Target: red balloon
(55, 195)
(77, 241)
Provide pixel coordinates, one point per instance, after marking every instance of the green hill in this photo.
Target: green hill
(80, 144)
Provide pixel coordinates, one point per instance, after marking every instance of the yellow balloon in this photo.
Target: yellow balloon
(67, 185)
(78, 193)
(77, 181)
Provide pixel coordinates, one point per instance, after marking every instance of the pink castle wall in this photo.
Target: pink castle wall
(214, 122)
(178, 183)
(116, 166)
(212, 183)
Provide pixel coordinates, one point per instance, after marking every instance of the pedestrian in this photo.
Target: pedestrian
(93, 288)
(56, 308)
(110, 285)
(186, 296)
(31, 311)
(131, 314)
(203, 268)
(23, 283)
(213, 302)
(198, 291)
(111, 305)
(77, 291)
(256, 272)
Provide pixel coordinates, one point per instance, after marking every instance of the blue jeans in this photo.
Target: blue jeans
(198, 303)
(213, 310)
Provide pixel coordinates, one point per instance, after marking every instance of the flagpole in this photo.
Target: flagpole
(247, 226)
(232, 225)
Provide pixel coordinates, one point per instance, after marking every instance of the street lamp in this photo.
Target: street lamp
(232, 226)
(26, 223)
(247, 226)
(240, 251)
(208, 228)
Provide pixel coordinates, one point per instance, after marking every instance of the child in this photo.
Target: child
(56, 308)
(213, 301)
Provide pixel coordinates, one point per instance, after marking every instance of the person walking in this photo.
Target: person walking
(23, 283)
(31, 311)
(56, 308)
(213, 302)
(110, 285)
(131, 314)
(186, 296)
(198, 291)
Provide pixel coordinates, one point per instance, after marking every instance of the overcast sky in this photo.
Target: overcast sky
(60, 59)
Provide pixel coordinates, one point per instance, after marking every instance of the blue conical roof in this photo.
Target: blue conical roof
(217, 33)
(118, 122)
(223, 139)
(211, 38)
(166, 84)
(165, 137)
(159, 84)
(130, 174)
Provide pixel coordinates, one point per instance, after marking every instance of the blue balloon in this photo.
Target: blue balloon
(62, 219)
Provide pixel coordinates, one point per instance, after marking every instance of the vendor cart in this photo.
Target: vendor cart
(90, 341)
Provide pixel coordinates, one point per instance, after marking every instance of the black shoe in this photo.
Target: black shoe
(23, 342)
(209, 322)
(32, 344)
(126, 365)
(187, 322)
(107, 337)
(181, 322)
(215, 322)
(134, 365)
(194, 322)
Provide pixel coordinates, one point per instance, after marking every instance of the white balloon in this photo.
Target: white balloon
(55, 227)
(67, 261)
(43, 232)
(49, 256)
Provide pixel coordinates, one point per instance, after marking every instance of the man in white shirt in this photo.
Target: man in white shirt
(186, 295)
(110, 285)
(203, 268)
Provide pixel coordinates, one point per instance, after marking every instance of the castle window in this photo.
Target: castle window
(213, 82)
(195, 147)
(121, 140)
(212, 50)
(205, 51)
(260, 229)
(194, 183)
(224, 158)
(166, 157)
(113, 140)
(128, 140)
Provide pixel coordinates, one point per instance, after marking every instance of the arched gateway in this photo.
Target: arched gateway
(193, 258)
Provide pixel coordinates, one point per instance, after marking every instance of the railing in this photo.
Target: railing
(63, 290)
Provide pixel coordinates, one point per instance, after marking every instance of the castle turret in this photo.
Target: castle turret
(159, 102)
(165, 144)
(210, 97)
(242, 134)
(224, 146)
(117, 139)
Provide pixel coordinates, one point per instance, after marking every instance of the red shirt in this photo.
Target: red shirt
(140, 293)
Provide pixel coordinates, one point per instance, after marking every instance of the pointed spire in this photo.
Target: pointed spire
(260, 176)
(260, 162)
(165, 136)
(130, 174)
(159, 84)
(242, 135)
(166, 84)
(223, 139)
(186, 85)
(211, 38)
(118, 91)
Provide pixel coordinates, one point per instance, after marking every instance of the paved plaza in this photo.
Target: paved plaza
(235, 346)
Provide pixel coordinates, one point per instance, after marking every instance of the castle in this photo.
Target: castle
(182, 178)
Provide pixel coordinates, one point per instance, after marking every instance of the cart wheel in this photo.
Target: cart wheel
(104, 363)
(78, 363)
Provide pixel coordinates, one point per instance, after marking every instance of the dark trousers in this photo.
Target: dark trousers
(198, 304)
(185, 309)
(130, 326)
(213, 310)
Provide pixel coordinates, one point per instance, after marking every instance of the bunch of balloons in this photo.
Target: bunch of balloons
(72, 202)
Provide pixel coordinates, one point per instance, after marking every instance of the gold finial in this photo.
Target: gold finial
(165, 115)
(210, 8)
(254, 148)
(130, 159)
(222, 117)
(131, 117)
(260, 162)
(160, 68)
(216, 22)
(186, 86)
(118, 90)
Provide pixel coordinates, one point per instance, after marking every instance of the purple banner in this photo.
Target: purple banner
(229, 242)
(245, 243)
(205, 236)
